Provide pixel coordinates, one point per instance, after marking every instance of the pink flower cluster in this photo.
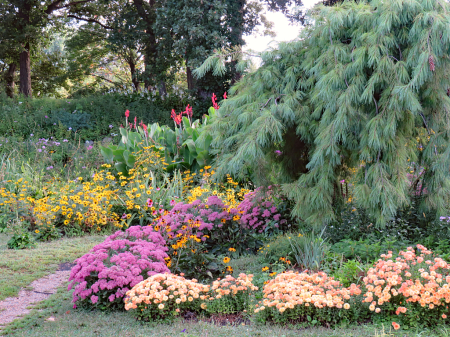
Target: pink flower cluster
(252, 213)
(103, 276)
(196, 218)
(258, 212)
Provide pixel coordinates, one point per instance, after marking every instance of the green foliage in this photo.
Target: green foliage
(91, 116)
(21, 238)
(350, 272)
(21, 241)
(196, 262)
(367, 250)
(279, 247)
(355, 88)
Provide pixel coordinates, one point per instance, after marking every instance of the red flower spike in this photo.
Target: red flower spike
(214, 101)
(188, 111)
(225, 95)
(127, 113)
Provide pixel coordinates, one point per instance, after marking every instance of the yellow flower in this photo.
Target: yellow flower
(36, 231)
(231, 249)
(226, 259)
(265, 268)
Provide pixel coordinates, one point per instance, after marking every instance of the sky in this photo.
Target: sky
(284, 30)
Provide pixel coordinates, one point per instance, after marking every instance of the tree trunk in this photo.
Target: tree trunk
(25, 71)
(150, 49)
(9, 77)
(134, 78)
(190, 78)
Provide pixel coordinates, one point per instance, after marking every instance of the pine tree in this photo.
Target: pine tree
(355, 90)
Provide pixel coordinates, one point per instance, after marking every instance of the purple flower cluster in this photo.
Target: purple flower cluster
(196, 218)
(206, 219)
(258, 212)
(103, 276)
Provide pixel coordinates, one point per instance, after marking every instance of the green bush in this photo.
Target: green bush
(91, 116)
(350, 272)
(366, 250)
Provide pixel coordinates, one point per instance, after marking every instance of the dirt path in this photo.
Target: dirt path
(39, 290)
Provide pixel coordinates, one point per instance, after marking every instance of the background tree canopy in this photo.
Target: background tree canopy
(364, 88)
(156, 40)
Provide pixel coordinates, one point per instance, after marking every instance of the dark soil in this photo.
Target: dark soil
(66, 266)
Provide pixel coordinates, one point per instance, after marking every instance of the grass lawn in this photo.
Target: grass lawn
(21, 267)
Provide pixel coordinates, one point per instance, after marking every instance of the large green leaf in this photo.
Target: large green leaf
(107, 154)
(130, 159)
(121, 167)
(118, 155)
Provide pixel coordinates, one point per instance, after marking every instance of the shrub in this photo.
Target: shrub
(231, 295)
(218, 225)
(103, 276)
(164, 296)
(412, 289)
(314, 298)
(91, 116)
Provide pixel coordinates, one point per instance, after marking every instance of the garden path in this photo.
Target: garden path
(39, 290)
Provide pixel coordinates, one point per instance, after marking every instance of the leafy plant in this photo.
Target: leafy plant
(350, 272)
(365, 250)
(182, 148)
(21, 241)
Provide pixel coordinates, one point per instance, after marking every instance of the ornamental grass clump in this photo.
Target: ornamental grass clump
(412, 289)
(165, 296)
(314, 298)
(230, 295)
(103, 276)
